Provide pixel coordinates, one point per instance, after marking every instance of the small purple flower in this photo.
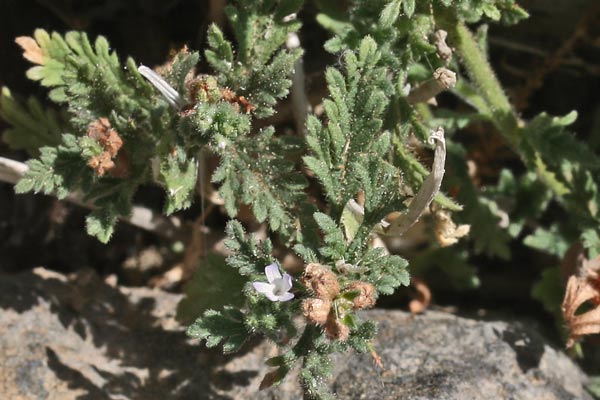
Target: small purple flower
(278, 287)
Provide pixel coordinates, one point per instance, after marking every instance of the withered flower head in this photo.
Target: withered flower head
(111, 142)
(316, 310)
(366, 296)
(335, 329)
(101, 163)
(101, 131)
(321, 281)
(98, 128)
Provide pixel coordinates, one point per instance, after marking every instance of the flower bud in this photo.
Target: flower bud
(321, 281)
(316, 310)
(366, 296)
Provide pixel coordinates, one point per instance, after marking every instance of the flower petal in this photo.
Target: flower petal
(287, 279)
(286, 296)
(272, 272)
(272, 297)
(263, 287)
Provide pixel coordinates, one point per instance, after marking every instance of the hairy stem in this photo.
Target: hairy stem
(503, 115)
(481, 73)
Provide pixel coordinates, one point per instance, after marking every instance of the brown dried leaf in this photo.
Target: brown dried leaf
(269, 380)
(447, 232)
(423, 297)
(580, 290)
(31, 50)
(377, 358)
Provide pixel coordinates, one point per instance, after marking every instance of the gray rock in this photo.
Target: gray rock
(82, 338)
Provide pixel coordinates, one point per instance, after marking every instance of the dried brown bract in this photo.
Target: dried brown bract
(335, 329)
(583, 289)
(444, 51)
(321, 281)
(316, 310)
(101, 163)
(111, 142)
(366, 296)
(110, 160)
(248, 107)
(447, 232)
(98, 128)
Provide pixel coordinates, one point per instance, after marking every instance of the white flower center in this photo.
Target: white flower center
(279, 286)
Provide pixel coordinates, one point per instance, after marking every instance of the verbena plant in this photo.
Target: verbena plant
(123, 126)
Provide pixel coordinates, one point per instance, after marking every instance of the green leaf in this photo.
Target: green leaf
(32, 126)
(179, 178)
(549, 290)
(591, 241)
(351, 220)
(335, 25)
(260, 69)
(384, 271)
(390, 13)
(446, 266)
(58, 170)
(593, 386)
(548, 136)
(214, 285)
(334, 238)
(225, 327)
(549, 241)
(491, 11)
(101, 224)
(258, 171)
(249, 256)
(182, 65)
(409, 7)
(220, 56)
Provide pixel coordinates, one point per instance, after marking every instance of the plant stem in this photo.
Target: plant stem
(503, 115)
(481, 73)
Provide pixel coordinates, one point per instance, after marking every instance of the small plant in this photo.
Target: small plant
(327, 195)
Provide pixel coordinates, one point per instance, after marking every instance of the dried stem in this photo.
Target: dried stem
(300, 104)
(503, 115)
(443, 79)
(12, 171)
